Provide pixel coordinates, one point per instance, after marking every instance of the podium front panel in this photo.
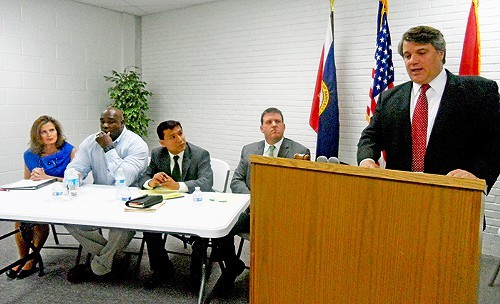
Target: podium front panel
(323, 235)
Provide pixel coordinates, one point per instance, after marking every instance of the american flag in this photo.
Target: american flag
(383, 71)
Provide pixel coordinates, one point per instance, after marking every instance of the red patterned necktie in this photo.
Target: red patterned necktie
(419, 131)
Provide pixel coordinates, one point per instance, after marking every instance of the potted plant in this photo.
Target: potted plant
(129, 94)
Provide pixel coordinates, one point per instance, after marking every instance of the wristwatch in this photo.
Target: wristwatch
(107, 148)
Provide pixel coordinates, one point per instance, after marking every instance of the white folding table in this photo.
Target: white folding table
(97, 206)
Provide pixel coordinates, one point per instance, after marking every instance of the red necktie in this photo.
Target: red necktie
(419, 131)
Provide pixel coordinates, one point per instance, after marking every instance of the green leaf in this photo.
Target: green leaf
(129, 94)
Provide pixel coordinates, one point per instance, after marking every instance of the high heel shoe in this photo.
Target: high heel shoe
(24, 273)
(11, 273)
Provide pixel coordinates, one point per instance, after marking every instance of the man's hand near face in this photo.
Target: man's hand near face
(104, 139)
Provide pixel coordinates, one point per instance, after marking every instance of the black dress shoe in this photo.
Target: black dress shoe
(24, 273)
(11, 273)
(157, 277)
(80, 273)
(226, 281)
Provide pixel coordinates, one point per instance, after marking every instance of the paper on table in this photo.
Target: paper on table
(161, 190)
(166, 195)
(149, 209)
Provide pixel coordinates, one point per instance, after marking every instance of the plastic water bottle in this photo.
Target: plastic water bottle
(57, 191)
(197, 196)
(73, 182)
(122, 191)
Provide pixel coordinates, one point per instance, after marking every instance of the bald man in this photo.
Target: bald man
(114, 147)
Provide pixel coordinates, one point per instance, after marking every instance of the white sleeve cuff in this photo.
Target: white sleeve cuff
(146, 185)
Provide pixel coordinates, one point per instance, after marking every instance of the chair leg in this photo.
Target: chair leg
(139, 258)
(79, 254)
(495, 274)
(89, 258)
(240, 248)
(54, 233)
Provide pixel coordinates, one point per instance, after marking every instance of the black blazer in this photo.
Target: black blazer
(465, 135)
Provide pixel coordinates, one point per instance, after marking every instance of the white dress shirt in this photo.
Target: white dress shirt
(182, 186)
(130, 153)
(434, 95)
(276, 146)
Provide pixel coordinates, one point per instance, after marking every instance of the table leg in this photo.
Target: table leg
(27, 235)
(495, 274)
(204, 261)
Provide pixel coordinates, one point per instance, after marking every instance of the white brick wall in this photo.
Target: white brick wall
(53, 56)
(217, 67)
(213, 67)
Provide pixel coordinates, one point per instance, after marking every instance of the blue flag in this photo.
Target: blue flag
(328, 112)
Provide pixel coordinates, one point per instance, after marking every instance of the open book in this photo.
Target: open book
(28, 184)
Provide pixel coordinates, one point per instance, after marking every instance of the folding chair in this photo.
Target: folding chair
(220, 170)
(497, 270)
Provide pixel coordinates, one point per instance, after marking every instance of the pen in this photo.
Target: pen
(4, 189)
(220, 201)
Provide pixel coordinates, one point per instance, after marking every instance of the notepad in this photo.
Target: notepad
(170, 194)
(28, 184)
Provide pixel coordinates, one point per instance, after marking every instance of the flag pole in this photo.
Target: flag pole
(331, 18)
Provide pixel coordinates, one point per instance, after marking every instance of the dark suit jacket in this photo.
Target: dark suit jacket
(465, 135)
(196, 168)
(241, 177)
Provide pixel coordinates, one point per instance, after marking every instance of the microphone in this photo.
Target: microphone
(333, 160)
(321, 159)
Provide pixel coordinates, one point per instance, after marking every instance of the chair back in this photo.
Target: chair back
(221, 174)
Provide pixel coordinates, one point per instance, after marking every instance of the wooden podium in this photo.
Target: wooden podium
(324, 233)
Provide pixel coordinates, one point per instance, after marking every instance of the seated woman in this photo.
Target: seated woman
(46, 158)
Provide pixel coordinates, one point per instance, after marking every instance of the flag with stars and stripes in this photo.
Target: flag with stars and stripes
(383, 70)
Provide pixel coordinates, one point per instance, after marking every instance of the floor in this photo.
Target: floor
(125, 286)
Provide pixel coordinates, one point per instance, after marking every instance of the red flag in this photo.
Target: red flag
(314, 116)
(471, 52)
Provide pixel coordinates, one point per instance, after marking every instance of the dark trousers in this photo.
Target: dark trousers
(226, 244)
(158, 256)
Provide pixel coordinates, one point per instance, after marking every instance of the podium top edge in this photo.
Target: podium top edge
(395, 175)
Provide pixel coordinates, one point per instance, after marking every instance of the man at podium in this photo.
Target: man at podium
(272, 125)
(438, 122)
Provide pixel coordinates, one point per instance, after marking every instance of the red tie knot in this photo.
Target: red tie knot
(424, 88)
